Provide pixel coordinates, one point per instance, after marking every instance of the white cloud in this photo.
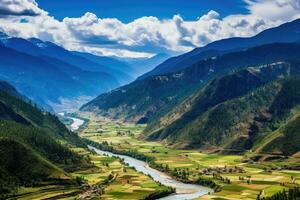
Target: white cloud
(19, 7)
(121, 53)
(146, 35)
(275, 10)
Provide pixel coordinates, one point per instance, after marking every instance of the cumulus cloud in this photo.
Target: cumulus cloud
(19, 8)
(275, 10)
(144, 36)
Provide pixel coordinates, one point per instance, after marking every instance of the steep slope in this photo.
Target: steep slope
(47, 79)
(290, 31)
(285, 140)
(240, 120)
(30, 145)
(6, 87)
(84, 61)
(141, 99)
(21, 165)
(218, 91)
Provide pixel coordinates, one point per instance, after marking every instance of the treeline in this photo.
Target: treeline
(291, 194)
(159, 194)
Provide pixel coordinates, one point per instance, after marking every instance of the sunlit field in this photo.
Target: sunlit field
(243, 185)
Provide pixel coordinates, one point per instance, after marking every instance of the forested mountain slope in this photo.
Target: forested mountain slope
(154, 96)
(236, 112)
(31, 147)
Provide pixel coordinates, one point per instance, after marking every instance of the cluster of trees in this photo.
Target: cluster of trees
(182, 174)
(221, 178)
(291, 194)
(209, 183)
(160, 194)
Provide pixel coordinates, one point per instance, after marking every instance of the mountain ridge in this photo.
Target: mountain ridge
(196, 112)
(163, 92)
(290, 30)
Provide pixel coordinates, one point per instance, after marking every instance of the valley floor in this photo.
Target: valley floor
(110, 179)
(246, 183)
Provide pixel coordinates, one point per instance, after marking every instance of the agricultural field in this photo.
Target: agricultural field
(118, 179)
(108, 179)
(245, 183)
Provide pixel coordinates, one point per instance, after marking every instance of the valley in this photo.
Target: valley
(266, 177)
(155, 108)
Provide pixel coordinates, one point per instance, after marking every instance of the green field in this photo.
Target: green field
(125, 183)
(244, 185)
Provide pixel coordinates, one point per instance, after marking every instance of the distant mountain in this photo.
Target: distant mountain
(42, 73)
(232, 112)
(286, 33)
(30, 146)
(153, 96)
(118, 68)
(39, 48)
(144, 65)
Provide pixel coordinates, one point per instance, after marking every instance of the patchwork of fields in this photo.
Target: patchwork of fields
(108, 179)
(252, 179)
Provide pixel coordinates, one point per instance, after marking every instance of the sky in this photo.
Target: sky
(141, 28)
(129, 10)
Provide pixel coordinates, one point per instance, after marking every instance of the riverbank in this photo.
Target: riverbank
(233, 172)
(73, 121)
(184, 191)
(126, 182)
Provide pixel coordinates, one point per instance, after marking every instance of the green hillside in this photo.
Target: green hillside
(232, 113)
(280, 140)
(21, 165)
(154, 96)
(33, 145)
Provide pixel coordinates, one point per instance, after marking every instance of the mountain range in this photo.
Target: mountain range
(231, 96)
(290, 31)
(47, 73)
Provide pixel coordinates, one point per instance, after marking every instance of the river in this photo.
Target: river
(76, 122)
(183, 191)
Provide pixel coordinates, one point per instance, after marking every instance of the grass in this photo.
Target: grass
(52, 191)
(125, 136)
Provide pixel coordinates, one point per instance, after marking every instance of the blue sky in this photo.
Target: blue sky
(141, 28)
(128, 10)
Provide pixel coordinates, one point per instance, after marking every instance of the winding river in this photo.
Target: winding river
(183, 191)
(76, 122)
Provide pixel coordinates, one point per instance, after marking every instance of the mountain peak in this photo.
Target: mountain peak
(3, 37)
(41, 44)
